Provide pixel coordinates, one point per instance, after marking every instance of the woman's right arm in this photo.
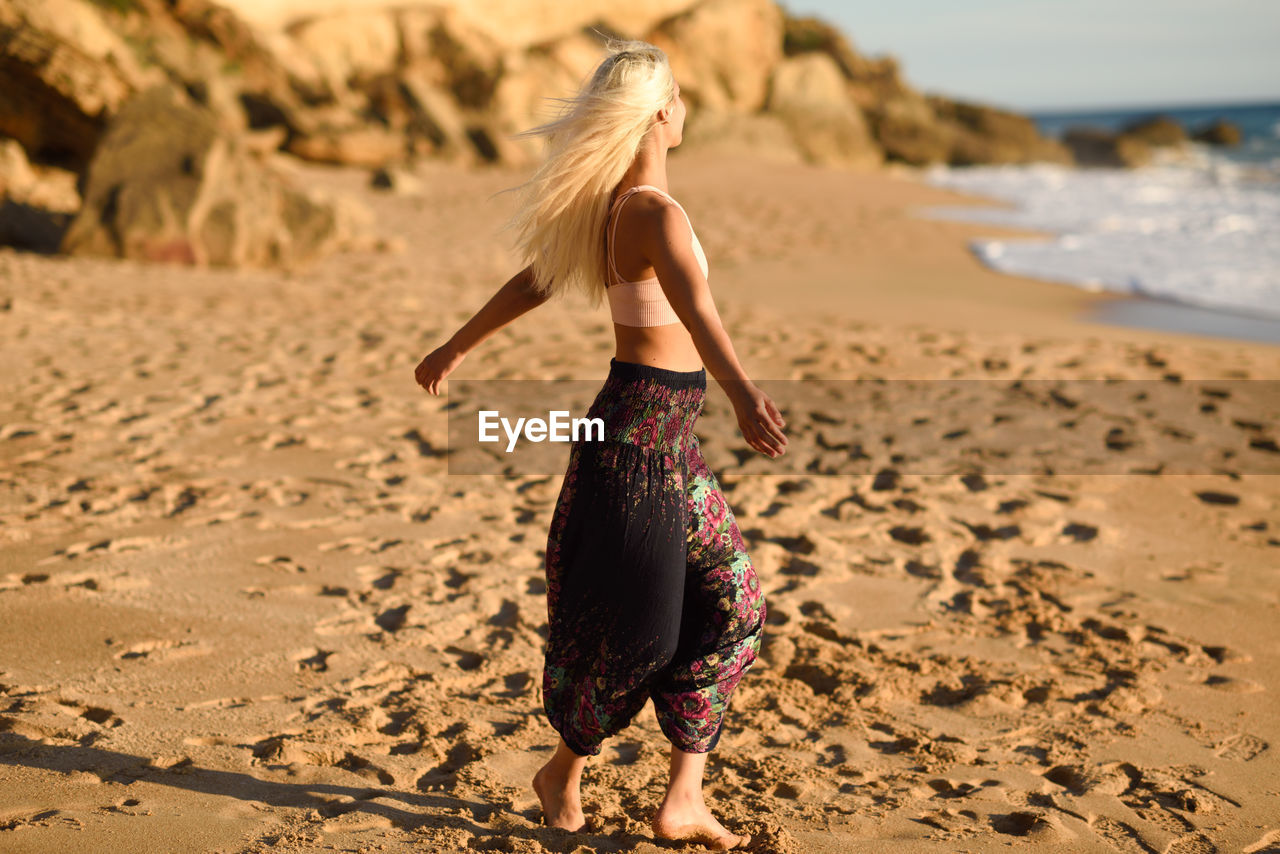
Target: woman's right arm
(513, 299)
(667, 242)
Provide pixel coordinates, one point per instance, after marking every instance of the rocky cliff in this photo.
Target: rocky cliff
(376, 85)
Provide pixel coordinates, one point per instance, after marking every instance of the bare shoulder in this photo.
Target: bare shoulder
(658, 222)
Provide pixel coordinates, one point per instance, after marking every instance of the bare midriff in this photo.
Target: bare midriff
(669, 347)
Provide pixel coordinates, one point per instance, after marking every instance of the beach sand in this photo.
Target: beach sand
(243, 606)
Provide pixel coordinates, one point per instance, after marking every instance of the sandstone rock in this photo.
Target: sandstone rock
(217, 25)
(433, 117)
(472, 61)
(532, 79)
(62, 73)
(758, 135)
(984, 134)
(808, 93)
(810, 35)
(1097, 147)
(26, 220)
(910, 133)
(347, 46)
(220, 61)
(1220, 132)
(1157, 131)
(898, 118)
(513, 24)
(16, 175)
(723, 52)
(167, 185)
(44, 187)
(368, 145)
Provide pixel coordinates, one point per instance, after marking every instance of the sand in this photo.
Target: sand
(244, 607)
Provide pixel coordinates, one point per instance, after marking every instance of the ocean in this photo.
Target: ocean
(1195, 238)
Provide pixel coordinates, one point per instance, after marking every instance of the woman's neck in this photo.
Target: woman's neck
(649, 167)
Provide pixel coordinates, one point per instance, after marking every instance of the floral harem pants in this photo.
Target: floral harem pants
(650, 591)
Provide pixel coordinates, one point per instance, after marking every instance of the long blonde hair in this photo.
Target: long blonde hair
(559, 221)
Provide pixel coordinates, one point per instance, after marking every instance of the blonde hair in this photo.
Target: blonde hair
(559, 221)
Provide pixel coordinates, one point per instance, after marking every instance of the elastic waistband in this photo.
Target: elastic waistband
(675, 379)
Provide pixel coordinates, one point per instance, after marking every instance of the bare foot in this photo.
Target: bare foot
(689, 820)
(561, 802)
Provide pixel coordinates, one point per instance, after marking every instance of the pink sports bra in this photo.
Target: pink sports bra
(643, 303)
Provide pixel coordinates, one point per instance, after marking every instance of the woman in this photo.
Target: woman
(650, 592)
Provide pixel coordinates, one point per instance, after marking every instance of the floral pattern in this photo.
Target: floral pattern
(650, 591)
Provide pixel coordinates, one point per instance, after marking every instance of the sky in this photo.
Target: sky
(1041, 55)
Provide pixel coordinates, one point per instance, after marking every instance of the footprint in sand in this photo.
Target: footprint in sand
(393, 619)
(312, 660)
(14, 581)
(1210, 571)
(1233, 685)
(909, 535)
(1080, 532)
(1212, 497)
(360, 545)
(283, 563)
(161, 650)
(1241, 748)
(378, 577)
(94, 714)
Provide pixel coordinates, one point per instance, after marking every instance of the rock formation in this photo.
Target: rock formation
(378, 85)
(1097, 147)
(63, 72)
(1220, 132)
(808, 93)
(1157, 131)
(915, 128)
(168, 184)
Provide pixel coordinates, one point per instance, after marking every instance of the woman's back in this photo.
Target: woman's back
(646, 328)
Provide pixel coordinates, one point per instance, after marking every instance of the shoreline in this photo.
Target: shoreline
(927, 273)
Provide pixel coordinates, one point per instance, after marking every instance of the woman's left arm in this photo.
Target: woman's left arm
(512, 300)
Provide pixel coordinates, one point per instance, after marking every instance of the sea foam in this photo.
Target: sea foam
(1202, 229)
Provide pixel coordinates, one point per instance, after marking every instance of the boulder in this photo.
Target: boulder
(166, 184)
(1220, 132)
(760, 136)
(898, 118)
(908, 132)
(1097, 147)
(984, 134)
(808, 93)
(723, 52)
(1157, 131)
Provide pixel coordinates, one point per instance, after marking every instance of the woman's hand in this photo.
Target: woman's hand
(759, 420)
(436, 366)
